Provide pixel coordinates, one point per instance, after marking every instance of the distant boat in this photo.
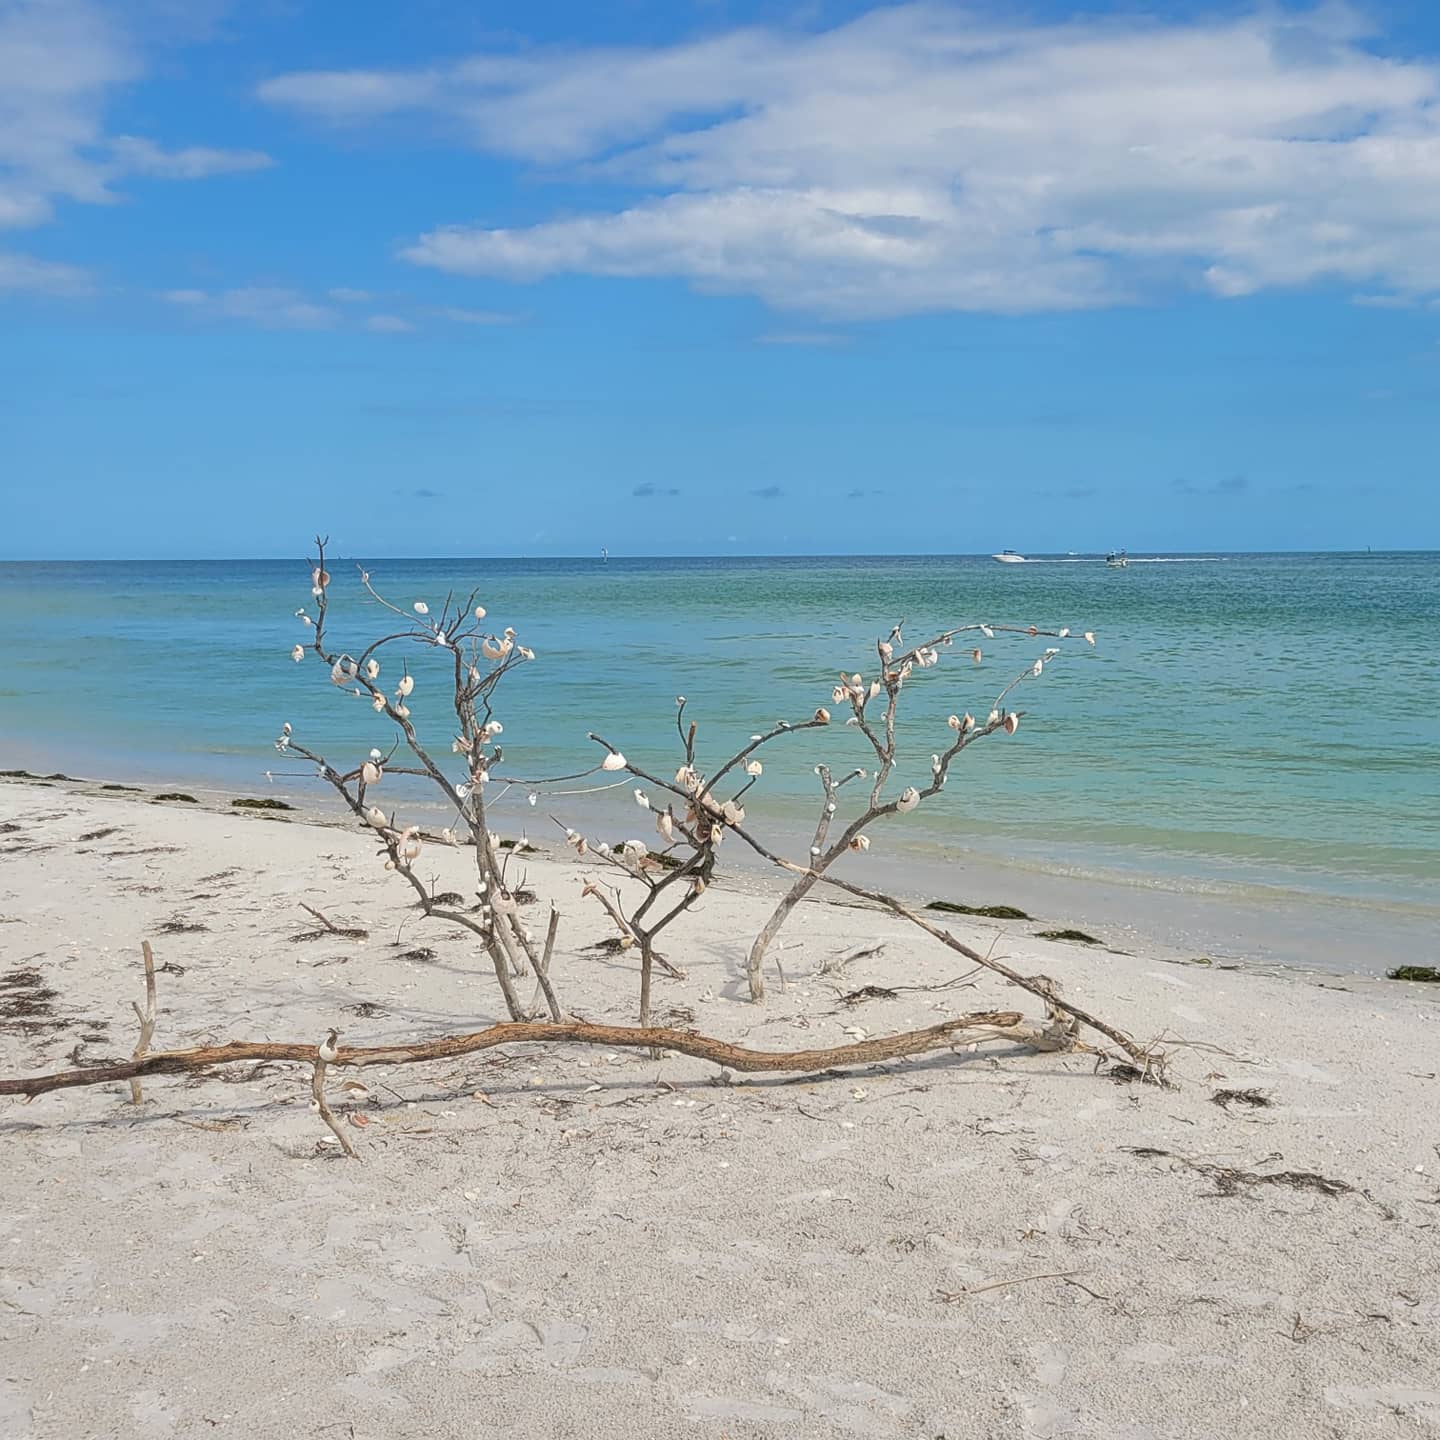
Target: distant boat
(1009, 557)
(1117, 559)
(604, 554)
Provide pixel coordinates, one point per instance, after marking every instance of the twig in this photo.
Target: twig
(325, 1054)
(145, 1017)
(951, 1296)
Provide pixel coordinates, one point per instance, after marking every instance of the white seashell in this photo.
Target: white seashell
(479, 612)
(1089, 637)
(665, 825)
(987, 632)
(839, 694)
(376, 755)
(406, 685)
(372, 669)
(993, 718)
(376, 816)
(421, 608)
(377, 702)
(860, 842)
(532, 797)
(1012, 723)
(953, 722)
(909, 799)
(754, 768)
(642, 799)
(403, 711)
(613, 761)
(875, 688)
(370, 773)
(298, 654)
(1065, 633)
(823, 715)
(1037, 667)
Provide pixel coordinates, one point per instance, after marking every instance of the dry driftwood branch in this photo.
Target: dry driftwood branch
(325, 1053)
(978, 1026)
(146, 1018)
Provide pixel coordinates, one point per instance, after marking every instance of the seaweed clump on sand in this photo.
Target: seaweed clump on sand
(989, 912)
(1426, 973)
(266, 804)
(178, 795)
(1079, 937)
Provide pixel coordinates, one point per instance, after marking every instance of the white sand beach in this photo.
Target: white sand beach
(567, 1241)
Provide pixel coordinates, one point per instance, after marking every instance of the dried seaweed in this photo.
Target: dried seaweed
(1231, 1181)
(1256, 1099)
(869, 992)
(989, 912)
(178, 795)
(265, 804)
(1079, 937)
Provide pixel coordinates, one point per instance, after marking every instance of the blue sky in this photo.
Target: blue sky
(717, 277)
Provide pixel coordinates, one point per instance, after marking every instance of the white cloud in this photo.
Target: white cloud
(460, 316)
(135, 156)
(268, 307)
(346, 296)
(925, 157)
(824, 339)
(389, 325)
(41, 277)
(60, 63)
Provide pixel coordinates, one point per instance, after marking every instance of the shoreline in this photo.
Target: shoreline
(1260, 929)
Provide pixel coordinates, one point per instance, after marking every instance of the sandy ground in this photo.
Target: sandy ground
(579, 1243)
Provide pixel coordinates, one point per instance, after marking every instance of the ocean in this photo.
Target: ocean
(1245, 724)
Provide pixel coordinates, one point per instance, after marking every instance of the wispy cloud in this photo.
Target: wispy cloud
(926, 157)
(460, 316)
(269, 307)
(389, 324)
(61, 62)
(646, 490)
(768, 492)
(424, 492)
(41, 277)
(1230, 487)
(824, 339)
(132, 155)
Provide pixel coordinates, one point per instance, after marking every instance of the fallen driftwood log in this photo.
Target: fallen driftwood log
(981, 1025)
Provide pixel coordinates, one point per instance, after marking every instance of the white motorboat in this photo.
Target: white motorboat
(1009, 557)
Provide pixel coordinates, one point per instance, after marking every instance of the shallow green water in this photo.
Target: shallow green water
(1242, 721)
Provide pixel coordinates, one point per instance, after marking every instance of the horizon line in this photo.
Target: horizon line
(1039, 555)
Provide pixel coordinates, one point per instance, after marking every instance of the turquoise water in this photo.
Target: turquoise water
(1245, 720)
